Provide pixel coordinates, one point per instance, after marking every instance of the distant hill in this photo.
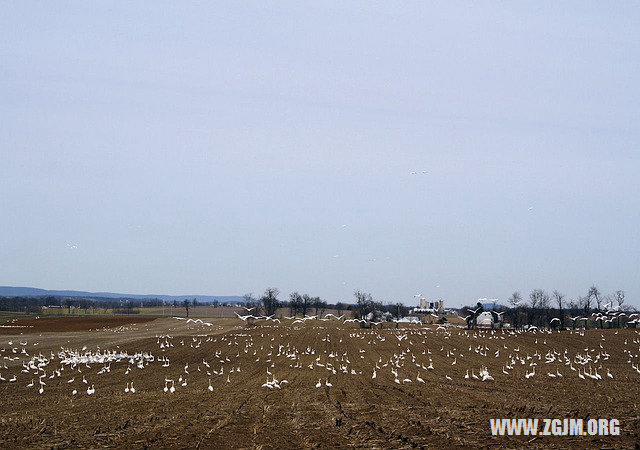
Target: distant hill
(17, 291)
(489, 306)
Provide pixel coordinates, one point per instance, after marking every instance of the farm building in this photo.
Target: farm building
(426, 304)
(427, 307)
(485, 320)
(410, 319)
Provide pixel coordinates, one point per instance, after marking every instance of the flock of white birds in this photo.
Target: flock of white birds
(402, 356)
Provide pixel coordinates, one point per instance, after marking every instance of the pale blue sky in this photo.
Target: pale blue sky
(220, 148)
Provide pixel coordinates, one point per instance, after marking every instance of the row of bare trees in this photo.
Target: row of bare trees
(298, 303)
(374, 310)
(305, 303)
(542, 308)
(364, 308)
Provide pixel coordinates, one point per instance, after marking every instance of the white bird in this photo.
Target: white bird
(91, 390)
(484, 373)
(318, 384)
(210, 387)
(327, 384)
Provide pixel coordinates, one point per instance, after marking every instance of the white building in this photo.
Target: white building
(485, 320)
(427, 307)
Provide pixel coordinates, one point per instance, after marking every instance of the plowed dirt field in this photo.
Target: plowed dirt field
(222, 384)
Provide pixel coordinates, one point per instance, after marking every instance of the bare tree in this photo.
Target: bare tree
(364, 305)
(539, 300)
(340, 307)
(249, 299)
(270, 301)
(585, 304)
(185, 303)
(320, 306)
(515, 299)
(306, 304)
(618, 296)
(295, 302)
(559, 298)
(594, 293)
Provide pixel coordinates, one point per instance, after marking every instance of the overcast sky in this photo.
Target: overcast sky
(222, 148)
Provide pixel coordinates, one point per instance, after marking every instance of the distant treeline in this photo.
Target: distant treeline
(542, 309)
(306, 304)
(36, 304)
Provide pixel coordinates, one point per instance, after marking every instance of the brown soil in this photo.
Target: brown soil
(63, 324)
(357, 411)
